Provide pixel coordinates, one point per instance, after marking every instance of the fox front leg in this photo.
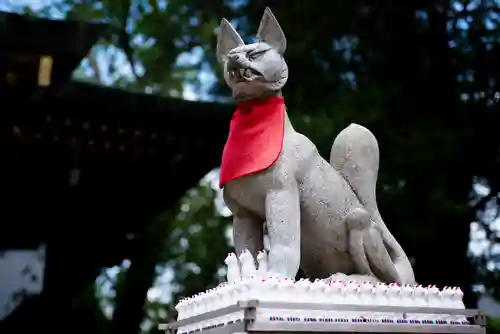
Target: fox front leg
(248, 233)
(283, 226)
(248, 229)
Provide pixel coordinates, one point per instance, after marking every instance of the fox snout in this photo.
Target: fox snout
(233, 57)
(236, 61)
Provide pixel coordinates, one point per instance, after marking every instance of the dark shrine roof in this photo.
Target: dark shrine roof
(135, 154)
(146, 108)
(67, 42)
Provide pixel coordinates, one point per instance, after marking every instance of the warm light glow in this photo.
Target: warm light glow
(45, 71)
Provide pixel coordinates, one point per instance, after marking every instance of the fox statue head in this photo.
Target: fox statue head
(254, 70)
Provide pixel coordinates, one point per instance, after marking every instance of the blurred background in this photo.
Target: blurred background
(113, 119)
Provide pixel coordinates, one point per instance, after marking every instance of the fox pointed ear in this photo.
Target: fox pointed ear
(271, 32)
(227, 40)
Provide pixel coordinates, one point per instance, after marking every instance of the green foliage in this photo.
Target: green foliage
(493, 326)
(199, 235)
(196, 234)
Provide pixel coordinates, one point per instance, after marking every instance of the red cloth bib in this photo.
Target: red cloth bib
(255, 138)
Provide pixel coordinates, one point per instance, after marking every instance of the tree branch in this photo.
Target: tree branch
(124, 38)
(94, 65)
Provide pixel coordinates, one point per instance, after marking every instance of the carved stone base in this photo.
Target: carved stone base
(274, 317)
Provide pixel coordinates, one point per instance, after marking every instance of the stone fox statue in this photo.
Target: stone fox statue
(320, 216)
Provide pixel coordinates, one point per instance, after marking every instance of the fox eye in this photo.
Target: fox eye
(252, 55)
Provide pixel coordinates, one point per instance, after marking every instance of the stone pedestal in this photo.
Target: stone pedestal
(274, 317)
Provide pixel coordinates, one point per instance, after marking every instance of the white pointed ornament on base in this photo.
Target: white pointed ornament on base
(233, 273)
(247, 265)
(262, 264)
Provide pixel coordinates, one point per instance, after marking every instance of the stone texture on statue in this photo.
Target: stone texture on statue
(321, 216)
